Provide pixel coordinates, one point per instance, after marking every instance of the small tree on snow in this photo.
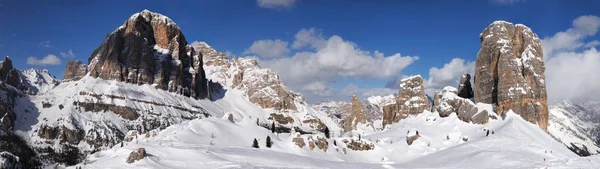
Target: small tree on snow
(269, 143)
(255, 143)
(326, 132)
(273, 127)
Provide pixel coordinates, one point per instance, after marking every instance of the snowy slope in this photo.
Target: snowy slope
(577, 125)
(218, 143)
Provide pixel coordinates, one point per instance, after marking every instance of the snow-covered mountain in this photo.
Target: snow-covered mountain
(577, 125)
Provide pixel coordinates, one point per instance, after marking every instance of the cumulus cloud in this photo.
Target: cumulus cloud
(45, 61)
(573, 38)
(592, 44)
(68, 54)
(352, 89)
(571, 61)
(572, 75)
(269, 48)
(276, 4)
(326, 60)
(45, 44)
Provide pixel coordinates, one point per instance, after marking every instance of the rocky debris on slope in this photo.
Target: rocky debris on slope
(509, 72)
(149, 48)
(8, 74)
(298, 140)
(411, 100)
(464, 87)
(411, 139)
(358, 145)
(357, 116)
(263, 86)
(131, 135)
(75, 70)
(281, 118)
(320, 143)
(62, 134)
(447, 102)
(139, 154)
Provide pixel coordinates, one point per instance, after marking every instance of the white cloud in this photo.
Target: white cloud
(269, 48)
(570, 72)
(326, 61)
(448, 75)
(68, 54)
(572, 38)
(318, 88)
(276, 4)
(572, 75)
(352, 89)
(309, 37)
(48, 60)
(592, 44)
(44, 44)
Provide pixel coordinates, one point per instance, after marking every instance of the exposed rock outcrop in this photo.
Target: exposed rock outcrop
(298, 140)
(8, 74)
(357, 116)
(464, 87)
(75, 70)
(510, 72)
(447, 102)
(136, 155)
(358, 145)
(149, 48)
(411, 101)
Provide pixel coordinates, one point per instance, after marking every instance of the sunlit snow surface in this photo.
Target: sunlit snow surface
(217, 143)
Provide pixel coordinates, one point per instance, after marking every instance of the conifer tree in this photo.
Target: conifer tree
(255, 143)
(269, 143)
(326, 132)
(273, 127)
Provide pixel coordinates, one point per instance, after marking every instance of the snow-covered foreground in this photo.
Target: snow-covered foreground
(218, 143)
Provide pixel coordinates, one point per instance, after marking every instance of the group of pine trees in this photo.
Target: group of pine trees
(269, 143)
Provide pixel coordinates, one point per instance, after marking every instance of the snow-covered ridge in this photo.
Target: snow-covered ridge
(577, 125)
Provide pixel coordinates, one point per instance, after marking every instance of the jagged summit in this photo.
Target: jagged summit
(149, 48)
(509, 72)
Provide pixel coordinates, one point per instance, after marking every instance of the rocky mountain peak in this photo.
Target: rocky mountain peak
(357, 115)
(149, 48)
(75, 70)
(8, 74)
(411, 100)
(510, 72)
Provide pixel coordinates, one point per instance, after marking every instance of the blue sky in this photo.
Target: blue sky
(434, 31)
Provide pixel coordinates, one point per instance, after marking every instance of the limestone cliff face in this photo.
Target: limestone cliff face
(411, 100)
(8, 74)
(357, 116)
(149, 48)
(510, 72)
(464, 87)
(75, 70)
